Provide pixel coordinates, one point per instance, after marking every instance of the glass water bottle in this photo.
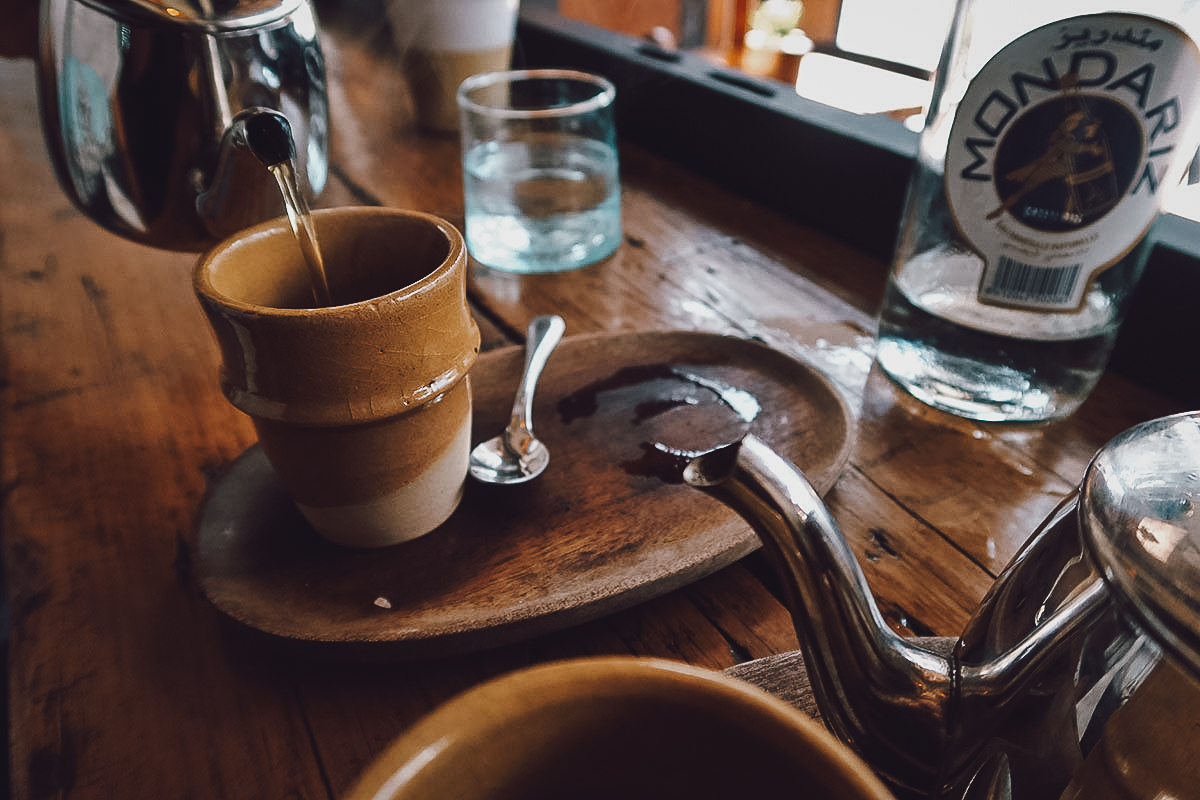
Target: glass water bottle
(1054, 132)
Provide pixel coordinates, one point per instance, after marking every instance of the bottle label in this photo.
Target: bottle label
(1062, 148)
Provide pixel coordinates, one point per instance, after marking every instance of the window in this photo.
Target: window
(908, 32)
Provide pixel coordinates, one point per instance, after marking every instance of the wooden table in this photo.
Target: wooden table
(125, 682)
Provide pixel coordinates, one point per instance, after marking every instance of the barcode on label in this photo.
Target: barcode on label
(1011, 281)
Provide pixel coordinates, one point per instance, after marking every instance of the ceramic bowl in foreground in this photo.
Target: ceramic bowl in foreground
(616, 727)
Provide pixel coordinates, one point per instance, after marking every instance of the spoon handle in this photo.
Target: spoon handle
(543, 335)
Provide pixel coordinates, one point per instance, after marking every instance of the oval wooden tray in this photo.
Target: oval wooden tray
(600, 530)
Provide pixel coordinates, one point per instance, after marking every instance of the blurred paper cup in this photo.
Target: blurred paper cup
(363, 408)
(443, 42)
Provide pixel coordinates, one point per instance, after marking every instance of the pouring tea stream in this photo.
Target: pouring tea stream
(269, 136)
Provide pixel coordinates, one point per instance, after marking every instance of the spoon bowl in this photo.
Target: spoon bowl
(516, 456)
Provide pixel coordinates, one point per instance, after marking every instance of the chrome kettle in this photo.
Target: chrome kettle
(143, 104)
(1078, 676)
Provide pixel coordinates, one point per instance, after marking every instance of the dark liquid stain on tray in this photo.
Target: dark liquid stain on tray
(679, 411)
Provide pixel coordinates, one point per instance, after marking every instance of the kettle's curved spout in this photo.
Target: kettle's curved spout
(242, 191)
(885, 696)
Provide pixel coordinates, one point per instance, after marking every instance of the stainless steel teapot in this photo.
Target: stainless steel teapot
(1079, 675)
(143, 104)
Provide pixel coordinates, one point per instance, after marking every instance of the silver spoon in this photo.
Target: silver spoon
(515, 456)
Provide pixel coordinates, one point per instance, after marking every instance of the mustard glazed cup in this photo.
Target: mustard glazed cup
(362, 407)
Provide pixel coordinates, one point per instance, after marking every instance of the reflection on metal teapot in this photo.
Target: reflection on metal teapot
(1147, 751)
(138, 102)
(1080, 669)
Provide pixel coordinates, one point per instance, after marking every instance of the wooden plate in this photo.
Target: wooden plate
(602, 529)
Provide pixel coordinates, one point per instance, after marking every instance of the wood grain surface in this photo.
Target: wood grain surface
(125, 681)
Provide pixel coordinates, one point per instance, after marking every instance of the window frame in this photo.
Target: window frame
(844, 174)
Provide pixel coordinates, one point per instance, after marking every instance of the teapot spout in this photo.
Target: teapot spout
(881, 693)
(243, 191)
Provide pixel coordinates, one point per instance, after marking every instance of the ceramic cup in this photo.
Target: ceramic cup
(364, 407)
(442, 42)
(633, 728)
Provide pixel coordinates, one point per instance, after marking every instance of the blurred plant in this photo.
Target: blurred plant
(776, 17)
